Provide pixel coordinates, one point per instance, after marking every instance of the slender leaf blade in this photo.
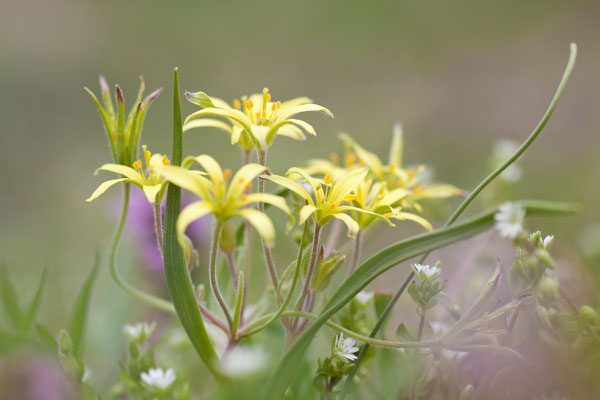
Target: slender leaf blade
(78, 317)
(34, 305)
(176, 272)
(9, 299)
(381, 262)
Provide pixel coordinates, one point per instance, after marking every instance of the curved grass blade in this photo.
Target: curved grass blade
(176, 271)
(9, 299)
(34, 306)
(79, 312)
(469, 199)
(381, 262)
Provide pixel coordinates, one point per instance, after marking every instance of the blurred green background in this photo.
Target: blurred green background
(459, 75)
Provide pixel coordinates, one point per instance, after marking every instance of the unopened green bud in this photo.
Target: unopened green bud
(191, 255)
(588, 317)
(468, 393)
(535, 237)
(325, 268)
(64, 342)
(545, 258)
(568, 327)
(227, 241)
(199, 291)
(455, 311)
(549, 288)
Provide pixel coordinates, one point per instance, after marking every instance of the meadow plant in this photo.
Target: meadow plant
(315, 331)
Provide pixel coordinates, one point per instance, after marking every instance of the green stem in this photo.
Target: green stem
(264, 322)
(158, 227)
(356, 254)
(212, 274)
(114, 272)
(413, 377)
(262, 159)
(468, 200)
(311, 268)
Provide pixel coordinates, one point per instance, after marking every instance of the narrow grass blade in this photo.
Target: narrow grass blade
(9, 299)
(34, 306)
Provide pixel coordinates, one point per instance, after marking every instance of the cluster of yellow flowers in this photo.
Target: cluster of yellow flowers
(357, 189)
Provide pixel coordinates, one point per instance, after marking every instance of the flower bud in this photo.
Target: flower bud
(325, 268)
(545, 258)
(227, 240)
(455, 311)
(588, 317)
(549, 288)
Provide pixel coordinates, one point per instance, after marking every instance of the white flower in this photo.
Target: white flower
(509, 220)
(344, 349)
(547, 241)
(364, 297)
(139, 332)
(503, 149)
(244, 360)
(426, 272)
(157, 378)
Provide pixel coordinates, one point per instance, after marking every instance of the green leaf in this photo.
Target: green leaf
(176, 272)
(9, 299)
(47, 338)
(381, 262)
(78, 317)
(239, 297)
(34, 306)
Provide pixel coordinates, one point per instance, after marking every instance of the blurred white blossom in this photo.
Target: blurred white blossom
(509, 220)
(158, 378)
(139, 332)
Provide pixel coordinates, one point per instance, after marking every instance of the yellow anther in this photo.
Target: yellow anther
(264, 114)
(257, 115)
(334, 158)
(278, 104)
(327, 179)
(244, 198)
(417, 189)
(227, 173)
(249, 105)
(241, 180)
(165, 160)
(332, 206)
(319, 187)
(362, 163)
(399, 182)
(267, 97)
(137, 164)
(349, 197)
(410, 171)
(237, 104)
(273, 106)
(248, 186)
(391, 167)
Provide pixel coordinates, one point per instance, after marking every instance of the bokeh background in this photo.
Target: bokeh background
(459, 75)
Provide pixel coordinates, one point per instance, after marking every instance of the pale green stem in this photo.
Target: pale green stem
(114, 272)
(467, 201)
(212, 273)
(356, 254)
(231, 267)
(263, 323)
(311, 267)
(248, 232)
(158, 227)
(262, 158)
(413, 377)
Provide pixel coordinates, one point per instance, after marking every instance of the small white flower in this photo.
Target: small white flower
(364, 297)
(344, 349)
(547, 241)
(426, 272)
(244, 360)
(157, 378)
(139, 332)
(509, 220)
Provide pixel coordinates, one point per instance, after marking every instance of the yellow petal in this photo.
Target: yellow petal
(306, 212)
(311, 181)
(189, 180)
(261, 223)
(105, 185)
(188, 215)
(347, 184)
(236, 132)
(151, 192)
(122, 170)
(370, 159)
(268, 198)
(287, 112)
(394, 196)
(363, 211)
(438, 191)
(212, 167)
(291, 131)
(351, 224)
(207, 123)
(295, 102)
(231, 114)
(411, 217)
(291, 185)
(242, 177)
(397, 147)
(304, 125)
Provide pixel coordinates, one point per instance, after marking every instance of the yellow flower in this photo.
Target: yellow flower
(328, 197)
(255, 120)
(150, 181)
(392, 175)
(221, 197)
(376, 198)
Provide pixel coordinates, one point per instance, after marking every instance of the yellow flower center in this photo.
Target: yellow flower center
(265, 113)
(152, 178)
